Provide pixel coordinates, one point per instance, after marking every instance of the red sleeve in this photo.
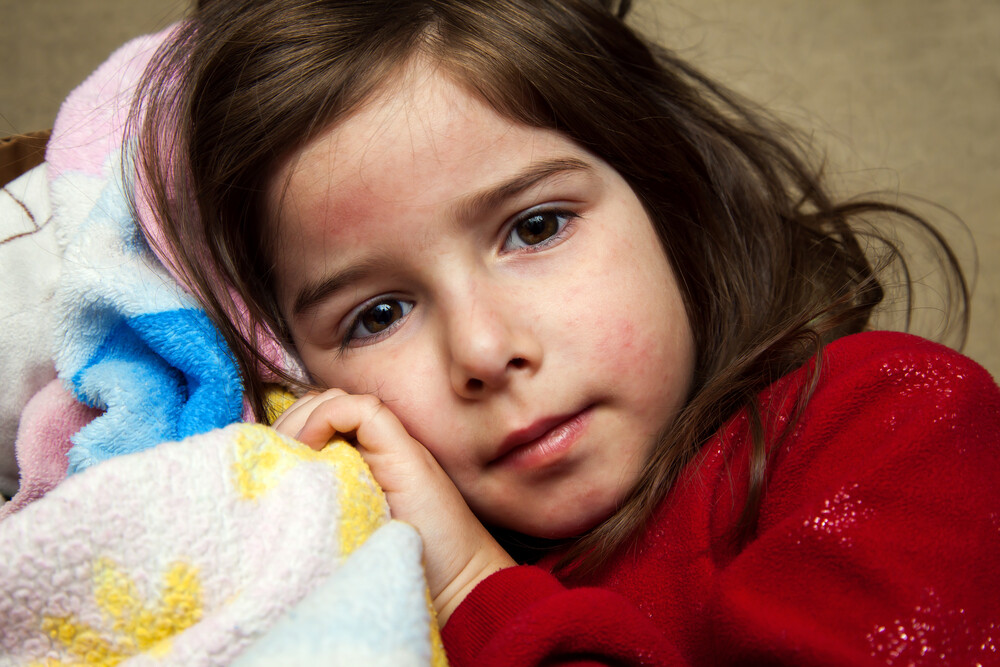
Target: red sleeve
(524, 616)
(879, 536)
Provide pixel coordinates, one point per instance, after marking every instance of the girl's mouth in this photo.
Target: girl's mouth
(543, 443)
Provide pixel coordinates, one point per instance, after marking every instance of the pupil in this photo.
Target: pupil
(380, 316)
(536, 229)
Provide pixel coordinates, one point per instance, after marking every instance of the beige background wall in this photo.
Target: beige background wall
(901, 94)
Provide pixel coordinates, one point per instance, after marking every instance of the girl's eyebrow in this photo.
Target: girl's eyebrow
(312, 294)
(475, 205)
(468, 208)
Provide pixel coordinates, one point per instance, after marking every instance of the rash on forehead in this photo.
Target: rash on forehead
(421, 154)
(377, 157)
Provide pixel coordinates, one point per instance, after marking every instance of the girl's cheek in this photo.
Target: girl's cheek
(400, 380)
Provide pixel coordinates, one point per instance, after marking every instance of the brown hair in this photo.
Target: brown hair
(770, 266)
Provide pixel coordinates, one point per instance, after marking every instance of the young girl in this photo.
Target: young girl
(578, 307)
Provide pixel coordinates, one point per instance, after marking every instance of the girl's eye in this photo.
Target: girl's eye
(377, 318)
(537, 228)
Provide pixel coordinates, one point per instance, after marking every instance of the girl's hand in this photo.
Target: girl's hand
(458, 551)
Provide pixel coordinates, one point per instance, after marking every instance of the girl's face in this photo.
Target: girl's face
(501, 289)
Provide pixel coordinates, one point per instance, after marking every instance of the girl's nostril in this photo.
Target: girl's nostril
(474, 384)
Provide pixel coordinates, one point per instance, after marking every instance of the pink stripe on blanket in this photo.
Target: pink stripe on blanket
(89, 126)
(47, 422)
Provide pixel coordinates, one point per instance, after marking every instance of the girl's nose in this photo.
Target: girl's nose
(489, 344)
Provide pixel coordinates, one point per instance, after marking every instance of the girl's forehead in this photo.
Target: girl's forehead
(425, 165)
(422, 139)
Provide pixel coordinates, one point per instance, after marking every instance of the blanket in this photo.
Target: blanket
(236, 546)
(150, 524)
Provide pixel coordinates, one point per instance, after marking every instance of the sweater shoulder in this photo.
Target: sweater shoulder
(874, 377)
(888, 409)
(886, 354)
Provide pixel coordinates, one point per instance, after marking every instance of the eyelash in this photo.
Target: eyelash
(349, 340)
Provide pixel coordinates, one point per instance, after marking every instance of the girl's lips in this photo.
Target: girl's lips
(544, 442)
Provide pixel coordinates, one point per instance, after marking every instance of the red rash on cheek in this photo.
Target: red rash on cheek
(626, 336)
(617, 343)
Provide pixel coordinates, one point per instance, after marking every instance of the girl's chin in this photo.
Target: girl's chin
(563, 530)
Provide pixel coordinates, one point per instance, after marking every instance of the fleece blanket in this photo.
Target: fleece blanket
(149, 523)
(236, 546)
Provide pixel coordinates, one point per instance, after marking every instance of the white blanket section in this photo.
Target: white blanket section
(30, 258)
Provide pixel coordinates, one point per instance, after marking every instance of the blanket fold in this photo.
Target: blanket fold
(130, 341)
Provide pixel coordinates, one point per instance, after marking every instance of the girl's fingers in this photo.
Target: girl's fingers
(316, 418)
(395, 458)
(291, 421)
(373, 426)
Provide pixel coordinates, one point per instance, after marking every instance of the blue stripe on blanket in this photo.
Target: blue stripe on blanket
(159, 377)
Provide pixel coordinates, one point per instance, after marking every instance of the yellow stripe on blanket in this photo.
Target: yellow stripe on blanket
(263, 457)
(135, 627)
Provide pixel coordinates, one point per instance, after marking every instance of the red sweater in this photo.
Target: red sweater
(878, 540)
